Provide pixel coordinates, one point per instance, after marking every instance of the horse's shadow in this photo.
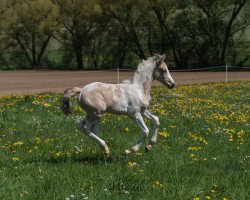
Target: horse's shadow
(87, 159)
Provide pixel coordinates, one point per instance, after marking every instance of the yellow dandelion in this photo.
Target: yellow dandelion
(126, 129)
(131, 164)
(15, 159)
(193, 148)
(157, 184)
(46, 105)
(231, 137)
(35, 102)
(58, 154)
(19, 143)
(164, 134)
(48, 140)
(38, 140)
(28, 110)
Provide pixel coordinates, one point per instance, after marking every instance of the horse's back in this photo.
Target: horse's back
(101, 97)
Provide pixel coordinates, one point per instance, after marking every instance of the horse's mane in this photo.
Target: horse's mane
(144, 64)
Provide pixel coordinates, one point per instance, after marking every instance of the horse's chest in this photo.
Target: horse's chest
(145, 100)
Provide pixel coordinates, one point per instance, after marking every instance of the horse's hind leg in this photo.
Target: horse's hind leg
(92, 130)
(156, 122)
(95, 127)
(144, 133)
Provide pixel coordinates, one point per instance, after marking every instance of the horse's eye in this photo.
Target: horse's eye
(164, 70)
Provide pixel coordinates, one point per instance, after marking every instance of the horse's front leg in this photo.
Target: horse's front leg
(156, 122)
(144, 133)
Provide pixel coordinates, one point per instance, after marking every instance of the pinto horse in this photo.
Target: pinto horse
(132, 98)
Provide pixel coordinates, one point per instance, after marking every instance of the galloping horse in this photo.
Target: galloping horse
(129, 98)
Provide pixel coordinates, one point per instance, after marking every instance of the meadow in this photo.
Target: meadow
(202, 152)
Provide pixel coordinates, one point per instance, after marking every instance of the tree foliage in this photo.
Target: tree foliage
(29, 25)
(107, 33)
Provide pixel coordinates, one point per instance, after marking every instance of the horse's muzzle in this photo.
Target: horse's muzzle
(170, 85)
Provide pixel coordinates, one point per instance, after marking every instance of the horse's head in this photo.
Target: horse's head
(161, 72)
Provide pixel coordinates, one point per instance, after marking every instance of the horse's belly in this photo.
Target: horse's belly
(118, 107)
(123, 107)
(117, 111)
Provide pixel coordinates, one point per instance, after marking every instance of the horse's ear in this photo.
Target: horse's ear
(160, 59)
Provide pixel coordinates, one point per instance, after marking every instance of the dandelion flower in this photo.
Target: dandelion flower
(164, 134)
(131, 164)
(19, 143)
(15, 159)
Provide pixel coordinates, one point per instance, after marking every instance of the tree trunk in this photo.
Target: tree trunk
(239, 4)
(15, 37)
(79, 59)
(33, 51)
(162, 27)
(43, 48)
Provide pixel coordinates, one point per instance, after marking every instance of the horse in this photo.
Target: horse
(131, 98)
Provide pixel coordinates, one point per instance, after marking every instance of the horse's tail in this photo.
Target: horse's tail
(65, 106)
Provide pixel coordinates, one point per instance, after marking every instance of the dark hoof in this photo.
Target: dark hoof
(148, 148)
(110, 158)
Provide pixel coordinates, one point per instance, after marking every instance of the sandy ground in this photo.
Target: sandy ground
(27, 82)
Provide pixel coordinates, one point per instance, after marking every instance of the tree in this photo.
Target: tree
(198, 32)
(3, 7)
(222, 22)
(78, 20)
(129, 24)
(107, 33)
(237, 7)
(170, 16)
(30, 25)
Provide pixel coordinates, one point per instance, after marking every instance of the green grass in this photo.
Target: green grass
(202, 151)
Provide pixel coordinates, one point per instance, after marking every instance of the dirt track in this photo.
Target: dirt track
(27, 82)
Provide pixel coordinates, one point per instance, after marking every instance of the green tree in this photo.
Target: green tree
(30, 25)
(78, 22)
(131, 24)
(222, 21)
(172, 37)
(199, 31)
(3, 7)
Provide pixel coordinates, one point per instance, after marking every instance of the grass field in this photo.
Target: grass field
(203, 149)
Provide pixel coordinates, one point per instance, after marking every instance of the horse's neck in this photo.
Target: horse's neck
(143, 80)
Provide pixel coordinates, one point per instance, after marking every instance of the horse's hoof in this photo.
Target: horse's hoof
(106, 151)
(126, 152)
(110, 158)
(148, 148)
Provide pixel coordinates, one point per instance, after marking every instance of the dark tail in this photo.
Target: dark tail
(65, 105)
